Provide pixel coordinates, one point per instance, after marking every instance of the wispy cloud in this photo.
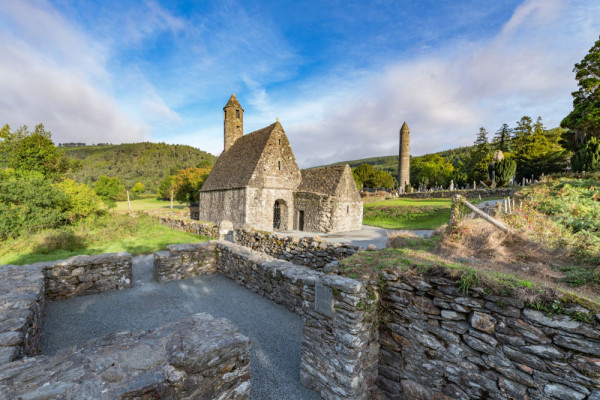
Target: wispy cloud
(447, 94)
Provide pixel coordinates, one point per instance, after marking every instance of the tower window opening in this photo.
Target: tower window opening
(279, 141)
(279, 165)
(225, 113)
(347, 209)
(237, 113)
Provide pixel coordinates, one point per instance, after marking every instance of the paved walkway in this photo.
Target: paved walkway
(366, 236)
(275, 332)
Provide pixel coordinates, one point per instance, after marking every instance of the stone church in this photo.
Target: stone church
(256, 182)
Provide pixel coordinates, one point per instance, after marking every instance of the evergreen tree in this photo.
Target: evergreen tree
(588, 158)
(584, 121)
(502, 139)
(505, 171)
(522, 133)
(480, 157)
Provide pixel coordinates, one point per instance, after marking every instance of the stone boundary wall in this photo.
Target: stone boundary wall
(194, 226)
(308, 251)
(199, 357)
(279, 281)
(83, 275)
(442, 344)
(339, 351)
(469, 194)
(22, 308)
(182, 261)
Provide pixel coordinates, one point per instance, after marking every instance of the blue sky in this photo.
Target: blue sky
(341, 76)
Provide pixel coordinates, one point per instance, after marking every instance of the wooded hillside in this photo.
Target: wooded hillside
(148, 163)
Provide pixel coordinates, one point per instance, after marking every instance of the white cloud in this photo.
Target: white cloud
(53, 74)
(447, 95)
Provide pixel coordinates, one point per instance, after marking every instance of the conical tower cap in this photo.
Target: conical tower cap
(405, 127)
(233, 102)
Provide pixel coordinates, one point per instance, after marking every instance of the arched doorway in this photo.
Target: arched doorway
(280, 215)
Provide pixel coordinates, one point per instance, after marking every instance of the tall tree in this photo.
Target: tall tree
(584, 121)
(522, 133)
(502, 139)
(480, 157)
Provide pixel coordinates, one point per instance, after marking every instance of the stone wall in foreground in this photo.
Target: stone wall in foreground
(339, 346)
(308, 251)
(199, 357)
(83, 275)
(182, 261)
(21, 311)
(442, 344)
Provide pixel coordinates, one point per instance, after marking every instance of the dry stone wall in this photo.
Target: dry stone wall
(83, 275)
(442, 344)
(182, 261)
(308, 251)
(21, 311)
(339, 346)
(340, 350)
(199, 357)
(190, 225)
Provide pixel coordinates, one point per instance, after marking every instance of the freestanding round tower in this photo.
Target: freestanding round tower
(233, 115)
(404, 158)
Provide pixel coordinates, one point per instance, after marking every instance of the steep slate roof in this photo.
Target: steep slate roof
(324, 180)
(234, 167)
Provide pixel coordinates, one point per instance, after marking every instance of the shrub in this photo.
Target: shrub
(505, 170)
(81, 200)
(108, 189)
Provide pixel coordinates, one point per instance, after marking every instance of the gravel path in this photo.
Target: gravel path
(275, 332)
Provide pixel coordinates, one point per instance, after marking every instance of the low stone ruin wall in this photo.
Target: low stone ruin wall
(308, 251)
(469, 194)
(25, 288)
(194, 226)
(83, 275)
(442, 344)
(199, 357)
(21, 311)
(339, 349)
(181, 261)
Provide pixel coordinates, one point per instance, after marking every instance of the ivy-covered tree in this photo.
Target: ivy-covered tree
(588, 158)
(584, 121)
(505, 171)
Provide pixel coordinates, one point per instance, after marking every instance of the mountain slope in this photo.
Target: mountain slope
(146, 162)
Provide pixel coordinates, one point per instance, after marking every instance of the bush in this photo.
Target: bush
(188, 182)
(588, 157)
(28, 203)
(81, 200)
(108, 189)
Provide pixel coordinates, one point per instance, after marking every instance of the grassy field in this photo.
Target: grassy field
(136, 234)
(407, 213)
(149, 204)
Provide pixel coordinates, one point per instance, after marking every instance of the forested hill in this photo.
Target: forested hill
(148, 163)
(390, 163)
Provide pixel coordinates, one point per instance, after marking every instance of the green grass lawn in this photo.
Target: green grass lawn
(139, 234)
(407, 213)
(150, 204)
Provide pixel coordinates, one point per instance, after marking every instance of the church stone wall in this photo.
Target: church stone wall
(218, 205)
(261, 204)
(347, 216)
(317, 211)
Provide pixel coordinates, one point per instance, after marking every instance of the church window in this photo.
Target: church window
(279, 141)
(237, 113)
(279, 165)
(347, 209)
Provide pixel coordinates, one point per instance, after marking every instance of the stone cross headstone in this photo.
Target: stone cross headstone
(474, 185)
(452, 184)
(323, 300)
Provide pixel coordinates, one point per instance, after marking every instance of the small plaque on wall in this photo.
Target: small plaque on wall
(323, 300)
